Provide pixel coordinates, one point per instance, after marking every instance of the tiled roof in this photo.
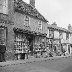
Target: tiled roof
(58, 28)
(23, 7)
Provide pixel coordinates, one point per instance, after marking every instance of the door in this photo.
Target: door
(2, 43)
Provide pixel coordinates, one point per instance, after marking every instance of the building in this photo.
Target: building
(23, 29)
(60, 39)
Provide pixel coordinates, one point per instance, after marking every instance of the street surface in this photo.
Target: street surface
(58, 65)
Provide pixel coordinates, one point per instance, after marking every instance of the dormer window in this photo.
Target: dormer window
(40, 25)
(26, 21)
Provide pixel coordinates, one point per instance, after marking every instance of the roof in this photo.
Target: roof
(59, 28)
(23, 7)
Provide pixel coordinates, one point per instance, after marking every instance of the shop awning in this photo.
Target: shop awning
(28, 31)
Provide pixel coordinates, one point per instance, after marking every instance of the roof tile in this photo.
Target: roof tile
(28, 9)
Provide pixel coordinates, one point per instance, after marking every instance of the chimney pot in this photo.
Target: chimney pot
(32, 3)
(54, 24)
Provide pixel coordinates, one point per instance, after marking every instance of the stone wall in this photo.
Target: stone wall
(10, 42)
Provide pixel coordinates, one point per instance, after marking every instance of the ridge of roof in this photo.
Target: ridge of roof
(28, 9)
(59, 28)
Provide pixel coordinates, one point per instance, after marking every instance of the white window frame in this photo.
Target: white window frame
(27, 20)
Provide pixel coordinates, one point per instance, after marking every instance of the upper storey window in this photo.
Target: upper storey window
(60, 35)
(67, 36)
(4, 6)
(51, 33)
(26, 21)
(40, 25)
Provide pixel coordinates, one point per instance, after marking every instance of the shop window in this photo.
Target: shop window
(51, 33)
(40, 25)
(26, 21)
(21, 43)
(2, 35)
(60, 35)
(67, 36)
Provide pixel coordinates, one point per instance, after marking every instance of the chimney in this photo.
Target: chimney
(32, 3)
(69, 27)
(54, 24)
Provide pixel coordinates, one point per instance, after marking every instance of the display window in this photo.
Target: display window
(21, 45)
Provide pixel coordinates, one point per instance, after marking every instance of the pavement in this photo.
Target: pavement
(16, 62)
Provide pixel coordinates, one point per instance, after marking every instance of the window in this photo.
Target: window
(67, 36)
(60, 35)
(26, 21)
(21, 43)
(51, 33)
(40, 25)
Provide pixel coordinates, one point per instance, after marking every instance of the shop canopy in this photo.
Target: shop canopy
(28, 31)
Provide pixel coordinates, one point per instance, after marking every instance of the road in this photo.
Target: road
(58, 65)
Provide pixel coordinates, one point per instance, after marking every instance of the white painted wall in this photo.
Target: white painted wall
(64, 35)
(70, 38)
(56, 34)
(48, 33)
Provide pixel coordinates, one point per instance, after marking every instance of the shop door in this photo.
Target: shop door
(69, 49)
(30, 39)
(2, 44)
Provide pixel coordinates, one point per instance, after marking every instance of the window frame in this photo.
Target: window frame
(27, 21)
(40, 24)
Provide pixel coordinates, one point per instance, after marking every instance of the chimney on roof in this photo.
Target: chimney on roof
(69, 27)
(54, 24)
(32, 3)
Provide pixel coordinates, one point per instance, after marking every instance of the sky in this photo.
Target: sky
(59, 11)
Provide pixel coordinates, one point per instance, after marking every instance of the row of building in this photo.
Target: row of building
(24, 31)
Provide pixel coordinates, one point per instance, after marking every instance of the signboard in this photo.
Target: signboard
(4, 6)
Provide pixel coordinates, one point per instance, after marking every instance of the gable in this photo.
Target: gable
(23, 7)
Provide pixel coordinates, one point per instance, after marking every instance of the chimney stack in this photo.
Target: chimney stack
(69, 27)
(32, 3)
(54, 24)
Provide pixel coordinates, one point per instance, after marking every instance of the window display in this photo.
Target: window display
(21, 44)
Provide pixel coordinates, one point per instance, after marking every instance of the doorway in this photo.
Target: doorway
(2, 44)
(30, 39)
(69, 49)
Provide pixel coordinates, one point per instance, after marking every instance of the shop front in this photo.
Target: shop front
(28, 44)
(2, 43)
(39, 46)
(49, 46)
(57, 47)
(66, 47)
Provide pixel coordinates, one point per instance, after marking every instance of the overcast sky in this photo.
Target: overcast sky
(59, 11)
